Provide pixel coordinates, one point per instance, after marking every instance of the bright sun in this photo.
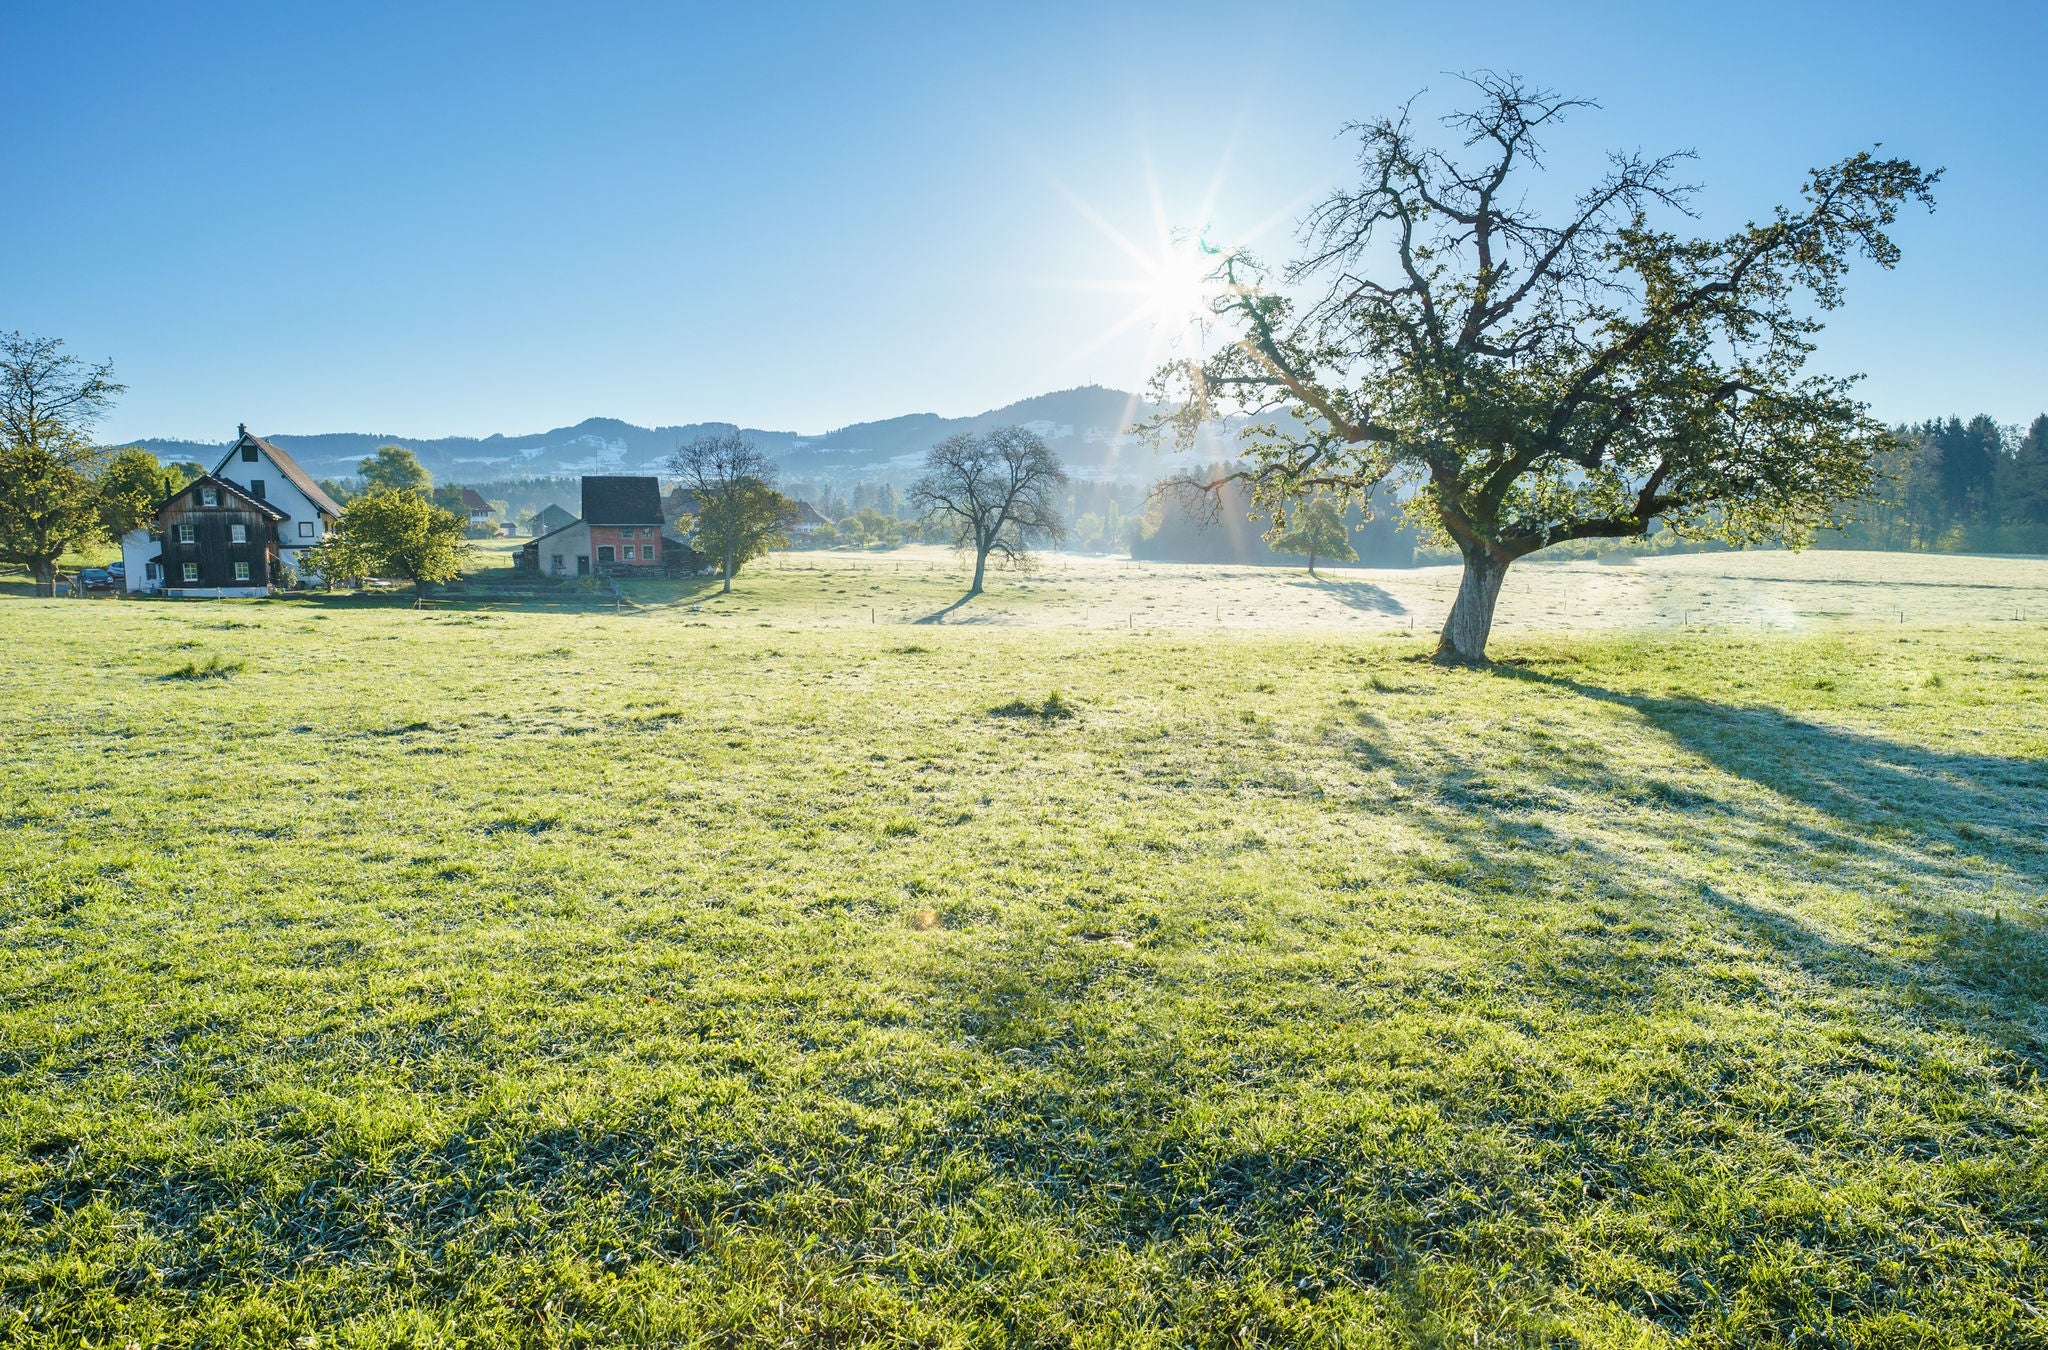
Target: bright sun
(1178, 287)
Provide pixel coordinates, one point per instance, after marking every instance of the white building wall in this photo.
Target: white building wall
(306, 527)
(571, 542)
(137, 548)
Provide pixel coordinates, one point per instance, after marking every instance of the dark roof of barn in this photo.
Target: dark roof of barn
(621, 500)
(472, 500)
(287, 466)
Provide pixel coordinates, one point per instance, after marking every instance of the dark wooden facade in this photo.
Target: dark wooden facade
(200, 527)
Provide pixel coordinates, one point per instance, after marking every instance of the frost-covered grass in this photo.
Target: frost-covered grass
(1766, 590)
(718, 977)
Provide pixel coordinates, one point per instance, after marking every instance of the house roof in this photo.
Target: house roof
(621, 500)
(806, 514)
(472, 500)
(287, 466)
(535, 542)
(232, 489)
(553, 517)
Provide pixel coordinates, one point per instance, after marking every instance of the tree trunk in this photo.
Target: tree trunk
(1311, 559)
(980, 567)
(1471, 619)
(727, 588)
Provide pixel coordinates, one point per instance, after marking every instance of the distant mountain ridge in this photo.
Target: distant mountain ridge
(1088, 427)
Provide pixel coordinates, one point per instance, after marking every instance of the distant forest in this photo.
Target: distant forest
(1957, 487)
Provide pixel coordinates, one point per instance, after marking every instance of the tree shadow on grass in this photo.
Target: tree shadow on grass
(1980, 813)
(939, 616)
(1359, 595)
(1943, 851)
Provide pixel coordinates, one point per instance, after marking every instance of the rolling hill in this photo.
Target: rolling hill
(1088, 427)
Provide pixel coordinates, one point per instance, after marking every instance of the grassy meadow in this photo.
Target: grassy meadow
(753, 971)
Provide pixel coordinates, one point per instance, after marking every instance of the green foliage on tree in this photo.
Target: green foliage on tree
(1314, 529)
(130, 488)
(394, 469)
(337, 560)
(48, 499)
(1543, 378)
(740, 516)
(400, 533)
(47, 507)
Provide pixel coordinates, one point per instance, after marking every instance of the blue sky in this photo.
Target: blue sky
(436, 219)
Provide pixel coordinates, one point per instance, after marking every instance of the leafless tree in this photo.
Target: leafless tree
(997, 491)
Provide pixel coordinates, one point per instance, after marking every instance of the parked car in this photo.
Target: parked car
(96, 581)
(119, 572)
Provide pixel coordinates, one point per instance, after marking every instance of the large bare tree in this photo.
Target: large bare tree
(49, 401)
(739, 514)
(995, 491)
(1539, 378)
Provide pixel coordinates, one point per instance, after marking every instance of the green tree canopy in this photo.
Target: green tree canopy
(740, 515)
(130, 488)
(1315, 529)
(338, 558)
(1539, 378)
(48, 403)
(394, 469)
(400, 533)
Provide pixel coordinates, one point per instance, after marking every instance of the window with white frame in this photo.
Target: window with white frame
(187, 535)
(191, 572)
(238, 534)
(241, 571)
(209, 496)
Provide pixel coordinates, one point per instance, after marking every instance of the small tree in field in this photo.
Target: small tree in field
(991, 493)
(1315, 529)
(48, 499)
(1541, 379)
(740, 515)
(401, 533)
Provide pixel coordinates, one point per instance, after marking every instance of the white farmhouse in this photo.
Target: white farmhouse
(255, 490)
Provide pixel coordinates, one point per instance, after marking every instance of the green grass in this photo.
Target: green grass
(478, 978)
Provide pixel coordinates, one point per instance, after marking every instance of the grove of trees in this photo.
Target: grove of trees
(1955, 485)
